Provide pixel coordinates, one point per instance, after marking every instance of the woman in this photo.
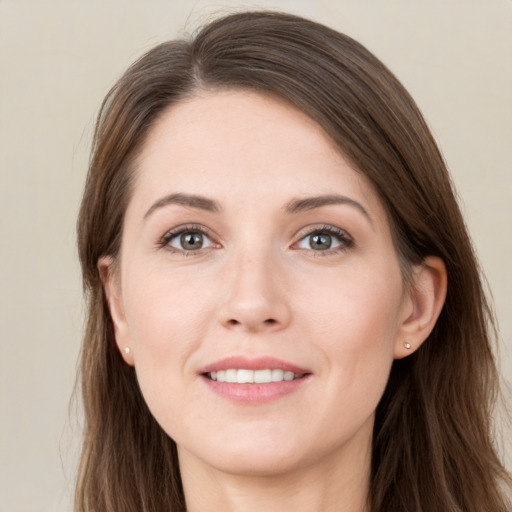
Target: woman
(284, 304)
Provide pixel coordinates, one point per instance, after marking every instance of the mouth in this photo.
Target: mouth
(254, 380)
(246, 376)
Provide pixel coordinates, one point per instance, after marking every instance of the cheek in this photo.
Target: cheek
(166, 320)
(163, 313)
(356, 324)
(360, 307)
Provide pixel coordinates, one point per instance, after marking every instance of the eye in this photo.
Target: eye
(188, 239)
(326, 239)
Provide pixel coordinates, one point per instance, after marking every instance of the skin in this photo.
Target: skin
(258, 287)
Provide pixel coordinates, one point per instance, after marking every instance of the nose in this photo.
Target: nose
(255, 298)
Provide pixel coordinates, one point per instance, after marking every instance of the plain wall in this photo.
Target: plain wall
(57, 61)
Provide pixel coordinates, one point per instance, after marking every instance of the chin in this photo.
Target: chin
(257, 465)
(251, 455)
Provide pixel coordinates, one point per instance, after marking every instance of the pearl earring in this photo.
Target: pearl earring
(126, 350)
(407, 345)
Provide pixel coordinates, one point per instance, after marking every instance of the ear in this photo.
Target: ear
(111, 284)
(424, 304)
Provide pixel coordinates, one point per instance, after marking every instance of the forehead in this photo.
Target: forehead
(221, 120)
(239, 143)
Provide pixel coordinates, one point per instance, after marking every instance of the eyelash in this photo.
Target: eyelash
(173, 233)
(346, 242)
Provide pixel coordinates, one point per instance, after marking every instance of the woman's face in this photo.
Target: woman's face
(253, 251)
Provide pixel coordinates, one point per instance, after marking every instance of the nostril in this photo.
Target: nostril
(268, 321)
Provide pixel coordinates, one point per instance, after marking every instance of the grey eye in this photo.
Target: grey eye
(319, 241)
(190, 241)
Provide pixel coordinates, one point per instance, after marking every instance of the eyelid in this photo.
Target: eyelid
(175, 232)
(345, 239)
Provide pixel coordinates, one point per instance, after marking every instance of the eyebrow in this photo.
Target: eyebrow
(191, 200)
(310, 203)
(294, 206)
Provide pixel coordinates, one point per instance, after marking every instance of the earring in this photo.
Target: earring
(407, 345)
(126, 350)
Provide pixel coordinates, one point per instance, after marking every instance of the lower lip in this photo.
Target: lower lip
(255, 393)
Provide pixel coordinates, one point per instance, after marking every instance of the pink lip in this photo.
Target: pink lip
(259, 363)
(254, 394)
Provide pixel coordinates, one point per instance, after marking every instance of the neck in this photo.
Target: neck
(332, 485)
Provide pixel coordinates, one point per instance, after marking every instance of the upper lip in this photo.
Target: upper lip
(248, 363)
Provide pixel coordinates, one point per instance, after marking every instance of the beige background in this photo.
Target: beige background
(57, 60)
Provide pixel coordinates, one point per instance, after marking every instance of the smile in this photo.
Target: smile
(244, 376)
(254, 380)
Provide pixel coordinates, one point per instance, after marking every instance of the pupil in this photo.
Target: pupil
(192, 241)
(320, 242)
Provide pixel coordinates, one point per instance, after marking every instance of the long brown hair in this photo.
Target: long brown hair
(432, 448)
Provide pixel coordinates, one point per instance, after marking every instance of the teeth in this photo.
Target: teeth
(243, 376)
(262, 376)
(288, 375)
(277, 375)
